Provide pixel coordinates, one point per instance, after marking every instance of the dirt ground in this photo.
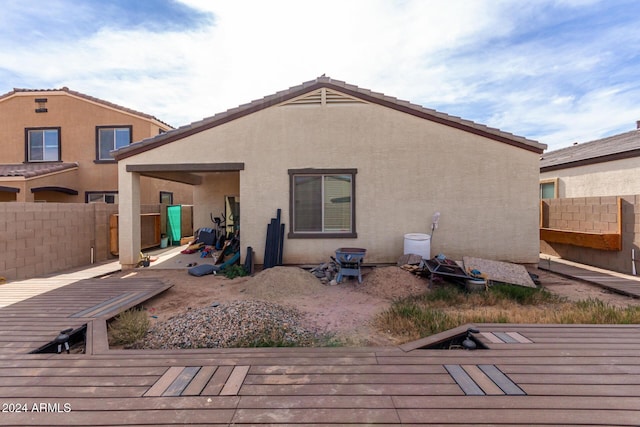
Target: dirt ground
(345, 310)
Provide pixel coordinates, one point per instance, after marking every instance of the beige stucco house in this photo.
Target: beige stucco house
(349, 168)
(604, 167)
(56, 147)
(590, 197)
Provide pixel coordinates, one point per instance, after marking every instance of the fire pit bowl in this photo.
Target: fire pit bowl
(349, 261)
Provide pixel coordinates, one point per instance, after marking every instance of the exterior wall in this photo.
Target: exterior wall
(77, 119)
(595, 214)
(67, 179)
(588, 214)
(408, 168)
(600, 179)
(38, 238)
(151, 188)
(209, 197)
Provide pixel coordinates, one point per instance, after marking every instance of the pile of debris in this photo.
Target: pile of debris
(326, 272)
(411, 263)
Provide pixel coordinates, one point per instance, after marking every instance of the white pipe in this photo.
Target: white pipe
(91, 254)
(633, 262)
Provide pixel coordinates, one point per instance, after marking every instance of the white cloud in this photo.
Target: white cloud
(494, 62)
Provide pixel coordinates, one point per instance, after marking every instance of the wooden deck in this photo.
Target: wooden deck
(620, 283)
(34, 322)
(16, 291)
(530, 375)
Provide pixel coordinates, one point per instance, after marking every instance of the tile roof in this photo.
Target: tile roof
(32, 170)
(614, 147)
(327, 82)
(88, 98)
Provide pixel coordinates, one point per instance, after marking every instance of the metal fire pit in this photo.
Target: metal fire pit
(349, 260)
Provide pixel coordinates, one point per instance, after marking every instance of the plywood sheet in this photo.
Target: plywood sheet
(498, 271)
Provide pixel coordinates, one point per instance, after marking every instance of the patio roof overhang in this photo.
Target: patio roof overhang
(187, 173)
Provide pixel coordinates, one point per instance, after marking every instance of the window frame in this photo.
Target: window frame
(114, 128)
(553, 181)
(168, 194)
(27, 144)
(104, 193)
(352, 234)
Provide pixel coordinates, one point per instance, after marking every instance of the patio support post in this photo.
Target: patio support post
(128, 217)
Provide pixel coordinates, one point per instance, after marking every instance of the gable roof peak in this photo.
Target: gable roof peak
(354, 91)
(86, 97)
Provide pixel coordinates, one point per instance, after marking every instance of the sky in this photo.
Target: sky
(557, 72)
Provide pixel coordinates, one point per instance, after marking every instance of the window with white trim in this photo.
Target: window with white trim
(322, 203)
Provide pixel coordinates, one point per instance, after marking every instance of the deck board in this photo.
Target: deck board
(45, 314)
(571, 374)
(199, 381)
(234, 382)
(629, 286)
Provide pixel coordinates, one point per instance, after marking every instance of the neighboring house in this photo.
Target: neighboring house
(590, 199)
(349, 168)
(604, 167)
(56, 147)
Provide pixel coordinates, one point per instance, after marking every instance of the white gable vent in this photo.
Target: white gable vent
(324, 96)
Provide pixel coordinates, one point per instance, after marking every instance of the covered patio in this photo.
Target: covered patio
(211, 182)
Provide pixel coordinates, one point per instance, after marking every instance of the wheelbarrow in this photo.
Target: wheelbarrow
(349, 261)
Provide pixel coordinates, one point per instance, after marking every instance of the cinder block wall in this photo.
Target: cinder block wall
(37, 239)
(598, 215)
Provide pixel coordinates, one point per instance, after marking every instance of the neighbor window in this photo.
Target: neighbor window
(111, 138)
(322, 203)
(110, 197)
(43, 145)
(549, 188)
(166, 197)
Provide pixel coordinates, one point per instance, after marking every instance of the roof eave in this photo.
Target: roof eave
(347, 89)
(592, 161)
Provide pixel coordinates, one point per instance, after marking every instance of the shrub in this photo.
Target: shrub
(233, 271)
(128, 327)
(411, 321)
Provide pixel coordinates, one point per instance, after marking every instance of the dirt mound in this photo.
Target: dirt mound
(392, 283)
(278, 283)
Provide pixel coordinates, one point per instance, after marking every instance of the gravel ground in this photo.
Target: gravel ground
(231, 324)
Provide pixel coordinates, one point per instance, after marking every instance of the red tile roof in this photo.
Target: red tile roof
(32, 170)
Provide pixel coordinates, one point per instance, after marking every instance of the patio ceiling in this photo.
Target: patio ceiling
(186, 173)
